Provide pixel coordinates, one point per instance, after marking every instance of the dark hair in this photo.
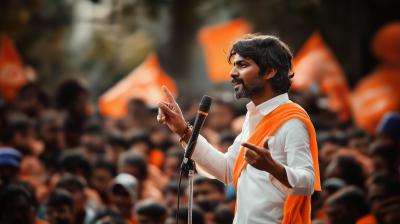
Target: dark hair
(227, 137)
(390, 184)
(69, 179)
(267, 52)
(15, 125)
(67, 92)
(73, 161)
(136, 160)
(351, 199)
(218, 184)
(59, 197)
(351, 171)
(172, 187)
(110, 213)
(116, 139)
(101, 163)
(223, 215)
(197, 214)
(37, 90)
(154, 210)
(140, 135)
(387, 152)
(11, 191)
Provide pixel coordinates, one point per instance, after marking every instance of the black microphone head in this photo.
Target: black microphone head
(205, 104)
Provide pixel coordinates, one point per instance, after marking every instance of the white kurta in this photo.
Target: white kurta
(261, 198)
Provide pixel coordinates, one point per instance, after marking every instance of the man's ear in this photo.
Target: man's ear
(270, 73)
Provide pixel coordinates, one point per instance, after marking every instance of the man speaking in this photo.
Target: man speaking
(273, 163)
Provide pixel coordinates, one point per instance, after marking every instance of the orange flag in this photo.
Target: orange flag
(215, 40)
(12, 76)
(145, 82)
(315, 63)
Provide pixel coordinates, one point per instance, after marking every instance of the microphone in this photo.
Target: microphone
(202, 113)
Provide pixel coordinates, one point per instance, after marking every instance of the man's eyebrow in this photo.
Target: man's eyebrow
(239, 61)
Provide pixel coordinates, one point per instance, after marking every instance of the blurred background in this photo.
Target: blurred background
(80, 81)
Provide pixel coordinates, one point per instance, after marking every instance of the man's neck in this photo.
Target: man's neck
(264, 96)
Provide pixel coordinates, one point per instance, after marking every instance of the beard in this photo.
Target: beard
(250, 90)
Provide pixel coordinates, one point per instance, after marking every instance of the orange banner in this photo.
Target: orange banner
(215, 40)
(12, 76)
(315, 63)
(145, 83)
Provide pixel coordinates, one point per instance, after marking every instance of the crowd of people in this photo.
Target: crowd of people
(61, 162)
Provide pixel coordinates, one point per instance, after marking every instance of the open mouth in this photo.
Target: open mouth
(237, 84)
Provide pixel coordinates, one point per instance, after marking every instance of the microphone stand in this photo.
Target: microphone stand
(191, 167)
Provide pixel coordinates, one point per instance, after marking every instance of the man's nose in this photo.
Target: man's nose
(234, 73)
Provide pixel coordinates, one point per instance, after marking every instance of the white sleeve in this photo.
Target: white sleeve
(212, 163)
(299, 169)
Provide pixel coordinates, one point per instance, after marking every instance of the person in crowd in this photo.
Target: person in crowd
(136, 117)
(151, 213)
(72, 96)
(108, 216)
(384, 199)
(16, 205)
(346, 167)
(358, 140)
(226, 140)
(32, 100)
(10, 160)
(92, 140)
(124, 191)
(211, 190)
(59, 207)
(76, 187)
(51, 131)
(220, 116)
(346, 206)
(197, 216)
(135, 164)
(172, 163)
(386, 159)
(104, 172)
(170, 195)
(329, 187)
(223, 215)
(116, 144)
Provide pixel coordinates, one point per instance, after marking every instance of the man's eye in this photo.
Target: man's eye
(242, 65)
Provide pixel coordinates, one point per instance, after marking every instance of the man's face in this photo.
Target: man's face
(339, 214)
(132, 170)
(52, 133)
(245, 75)
(219, 117)
(384, 205)
(17, 210)
(171, 167)
(100, 179)
(61, 214)
(123, 200)
(207, 191)
(78, 196)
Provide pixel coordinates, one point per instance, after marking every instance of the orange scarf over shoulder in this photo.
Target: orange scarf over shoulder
(297, 209)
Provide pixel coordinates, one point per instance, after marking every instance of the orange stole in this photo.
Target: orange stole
(297, 208)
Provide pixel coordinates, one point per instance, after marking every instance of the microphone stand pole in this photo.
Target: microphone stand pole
(191, 167)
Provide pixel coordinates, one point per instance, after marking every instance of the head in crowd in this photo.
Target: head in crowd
(75, 186)
(346, 168)
(385, 160)
(32, 100)
(328, 145)
(346, 206)
(133, 163)
(260, 62)
(16, 205)
(136, 117)
(151, 213)
(116, 144)
(73, 96)
(172, 162)
(137, 108)
(223, 215)
(170, 195)
(108, 216)
(20, 134)
(330, 187)
(59, 207)
(124, 194)
(207, 190)
(103, 172)
(92, 140)
(74, 163)
(220, 116)
(197, 215)
(358, 139)
(388, 128)
(51, 131)
(139, 140)
(227, 139)
(10, 160)
(384, 199)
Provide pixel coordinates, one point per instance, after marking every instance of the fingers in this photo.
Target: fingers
(164, 108)
(265, 143)
(161, 117)
(253, 148)
(169, 95)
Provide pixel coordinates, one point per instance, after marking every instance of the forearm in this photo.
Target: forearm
(279, 172)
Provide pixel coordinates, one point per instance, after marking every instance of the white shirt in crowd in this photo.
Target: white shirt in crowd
(260, 197)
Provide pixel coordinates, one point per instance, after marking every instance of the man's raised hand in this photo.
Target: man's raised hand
(170, 114)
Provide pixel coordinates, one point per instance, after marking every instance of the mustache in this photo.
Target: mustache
(237, 80)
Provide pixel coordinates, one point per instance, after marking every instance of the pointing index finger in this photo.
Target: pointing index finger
(252, 147)
(168, 94)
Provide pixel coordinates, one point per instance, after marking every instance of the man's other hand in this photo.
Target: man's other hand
(170, 114)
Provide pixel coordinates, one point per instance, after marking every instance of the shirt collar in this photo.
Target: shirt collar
(269, 105)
